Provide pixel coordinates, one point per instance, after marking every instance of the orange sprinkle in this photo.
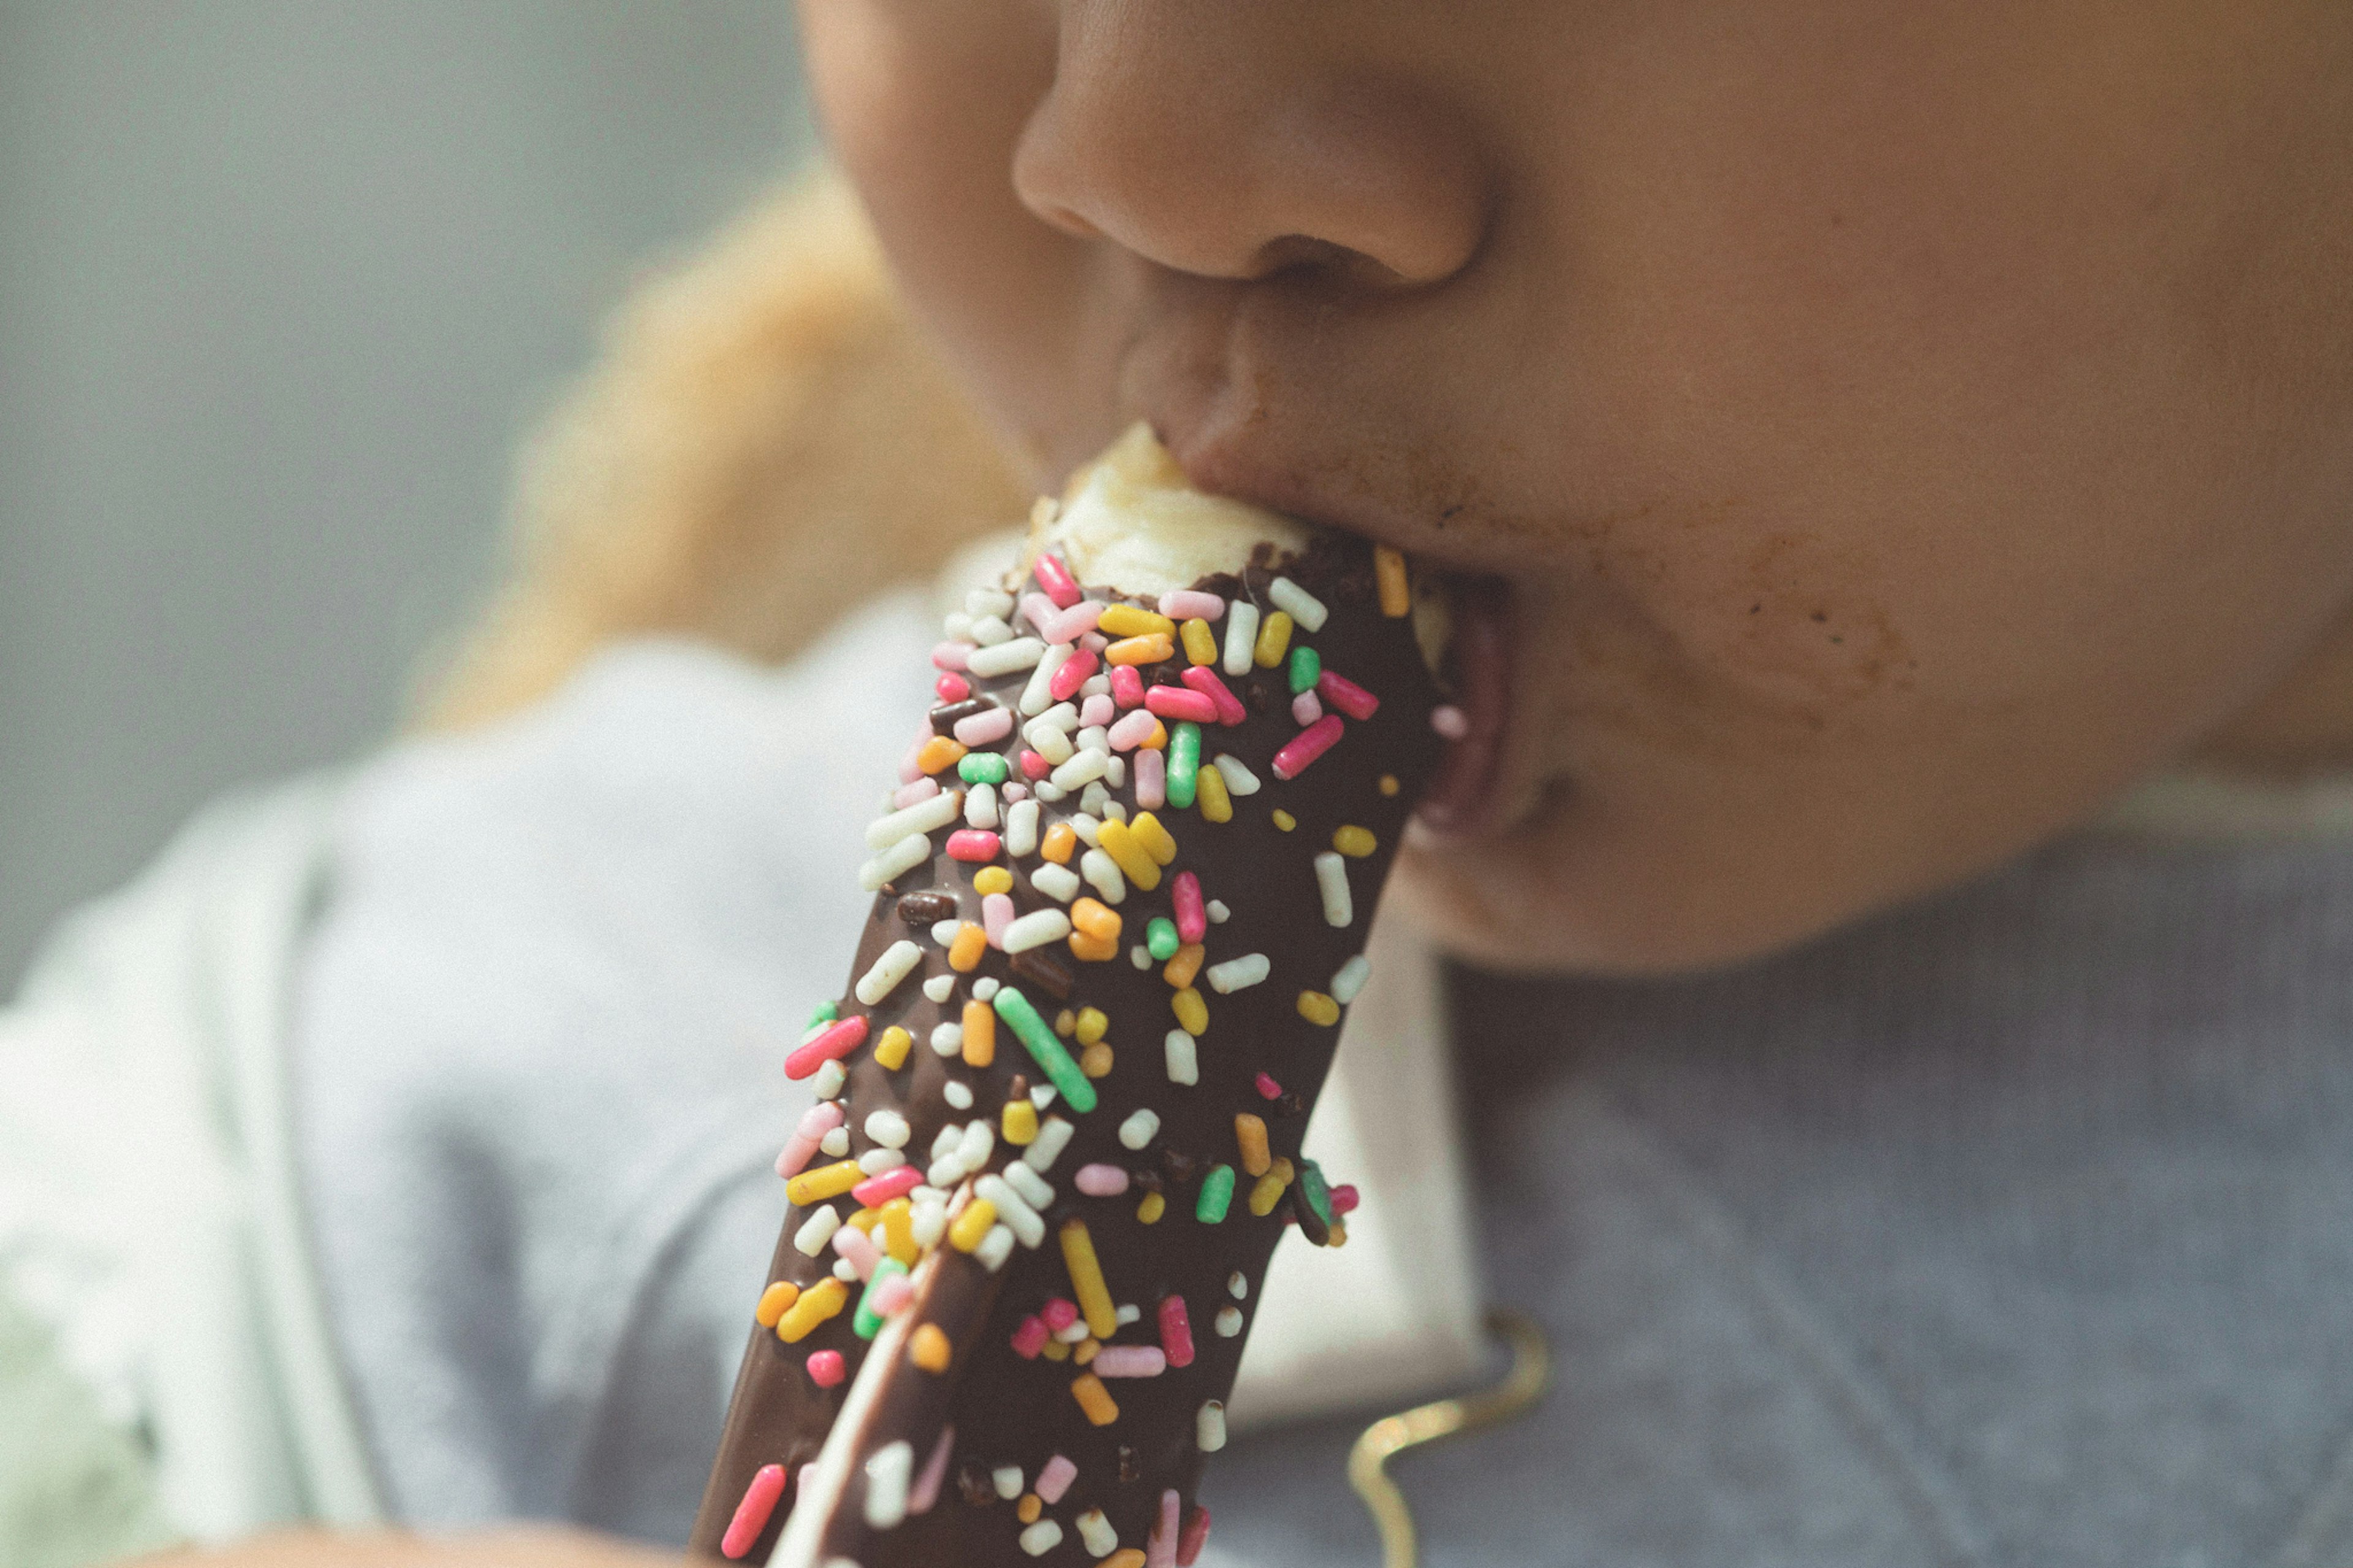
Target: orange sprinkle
(1249, 1133)
(1148, 649)
(1086, 1351)
(1125, 1557)
(1389, 785)
(979, 1034)
(1094, 1399)
(1093, 949)
(930, 1349)
(1389, 571)
(964, 952)
(1031, 1506)
(775, 1302)
(939, 754)
(1095, 1060)
(1060, 841)
(1097, 919)
(1179, 971)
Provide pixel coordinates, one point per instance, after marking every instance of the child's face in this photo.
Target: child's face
(1897, 423)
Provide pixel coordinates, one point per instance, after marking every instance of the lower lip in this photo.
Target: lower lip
(1463, 796)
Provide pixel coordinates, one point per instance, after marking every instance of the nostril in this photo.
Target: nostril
(1305, 255)
(1069, 221)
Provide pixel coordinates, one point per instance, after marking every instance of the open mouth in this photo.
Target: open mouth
(1461, 800)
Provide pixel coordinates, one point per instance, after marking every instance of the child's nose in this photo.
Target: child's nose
(1220, 148)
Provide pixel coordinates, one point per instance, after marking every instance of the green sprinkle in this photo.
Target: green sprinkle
(868, 1323)
(1046, 1052)
(1183, 763)
(1217, 1195)
(827, 1012)
(1318, 1192)
(1306, 664)
(1160, 938)
(983, 767)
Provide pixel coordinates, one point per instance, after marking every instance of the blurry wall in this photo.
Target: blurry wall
(280, 286)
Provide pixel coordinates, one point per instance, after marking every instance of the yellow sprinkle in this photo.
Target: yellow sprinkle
(1354, 842)
(1031, 1506)
(979, 1034)
(1209, 794)
(1180, 969)
(817, 1303)
(825, 1182)
(1065, 1022)
(1018, 1125)
(899, 1231)
(1133, 621)
(964, 952)
(930, 1350)
(1092, 1025)
(1318, 1008)
(1192, 1013)
(1087, 1281)
(1097, 919)
(1285, 820)
(864, 1220)
(1339, 1234)
(939, 754)
(891, 1050)
(1118, 840)
(1093, 949)
(1094, 1399)
(1154, 739)
(1055, 1351)
(1125, 1557)
(1085, 1352)
(1154, 837)
(1389, 571)
(1250, 1135)
(1148, 649)
(1274, 639)
(1266, 1194)
(972, 1225)
(1149, 1211)
(1389, 785)
(992, 879)
(1095, 1060)
(1200, 642)
(1059, 840)
(775, 1302)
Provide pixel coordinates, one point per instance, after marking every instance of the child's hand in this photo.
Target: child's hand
(532, 1548)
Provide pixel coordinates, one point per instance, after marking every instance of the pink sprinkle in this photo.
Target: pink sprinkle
(1305, 708)
(1347, 696)
(875, 1191)
(826, 1368)
(1129, 1361)
(1196, 1536)
(1151, 780)
(1039, 611)
(1065, 682)
(1059, 1314)
(858, 1249)
(1097, 709)
(983, 728)
(816, 1122)
(1033, 767)
(1126, 686)
(952, 687)
(1031, 1337)
(1267, 1088)
(1071, 625)
(1178, 702)
(1094, 642)
(1054, 1479)
(926, 1489)
(1133, 729)
(1192, 914)
(922, 789)
(1013, 790)
(1301, 748)
(1176, 1331)
(1449, 721)
(979, 845)
(1102, 1181)
(1160, 1549)
(752, 1514)
(1204, 679)
(1345, 1199)
(1191, 605)
(996, 914)
(891, 1297)
(1055, 578)
(910, 769)
(950, 656)
(836, 1042)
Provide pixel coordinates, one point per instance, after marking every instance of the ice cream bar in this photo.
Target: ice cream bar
(1122, 890)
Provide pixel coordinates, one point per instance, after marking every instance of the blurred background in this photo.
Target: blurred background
(280, 286)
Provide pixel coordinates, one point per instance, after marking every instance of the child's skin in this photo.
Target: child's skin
(1900, 424)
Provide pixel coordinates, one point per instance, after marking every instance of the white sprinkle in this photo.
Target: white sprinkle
(943, 1142)
(944, 931)
(1095, 686)
(1095, 1531)
(974, 1148)
(1086, 824)
(836, 1142)
(947, 1039)
(1062, 717)
(1238, 779)
(1116, 777)
(1036, 929)
(1304, 606)
(1043, 1096)
(845, 1270)
(1209, 1426)
(1073, 1332)
(1053, 1137)
(1139, 1129)
(945, 1171)
(1332, 882)
(939, 987)
(1183, 1062)
(1450, 722)
(815, 1231)
(1217, 912)
(957, 1093)
(875, 1161)
(830, 1080)
(984, 989)
(896, 962)
(926, 816)
(1229, 1322)
(1058, 883)
(928, 1223)
(1042, 1538)
(994, 1249)
(956, 626)
(1350, 978)
(1095, 800)
(1129, 1312)
(1012, 1208)
(1083, 768)
(1005, 657)
(1048, 741)
(1096, 738)
(1102, 872)
(902, 856)
(1241, 636)
(1038, 693)
(1238, 1285)
(1022, 828)
(887, 1474)
(987, 601)
(1140, 956)
(990, 630)
(1006, 1478)
(1047, 791)
(1238, 973)
(1032, 1187)
(980, 806)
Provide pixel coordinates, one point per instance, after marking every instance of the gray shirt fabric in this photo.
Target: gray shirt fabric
(2013, 1228)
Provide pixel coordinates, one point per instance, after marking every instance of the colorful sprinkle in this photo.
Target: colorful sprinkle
(969, 1226)
(827, 1368)
(1184, 763)
(1191, 604)
(867, 1320)
(1126, 686)
(825, 1182)
(1046, 1050)
(1266, 1085)
(1192, 1013)
(1119, 840)
(1087, 1281)
(1249, 1136)
(1199, 642)
(1307, 746)
(1306, 664)
(1018, 1124)
(837, 1041)
(1217, 1195)
(819, 1304)
(1031, 1337)
(1130, 1361)
(1150, 649)
(964, 952)
(1302, 606)
(1273, 640)
(753, 1513)
(984, 768)
(1160, 937)
(1204, 682)
(775, 1302)
(1133, 621)
(1101, 1181)
(1449, 721)
(1284, 821)
(1185, 965)
(1175, 1332)
(895, 1182)
(980, 1029)
(1071, 674)
(1389, 574)
(1318, 1008)
(1094, 1399)
(1056, 579)
(1054, 1479)
(930, 1350)
(1149, 1211)
(1332, 885)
